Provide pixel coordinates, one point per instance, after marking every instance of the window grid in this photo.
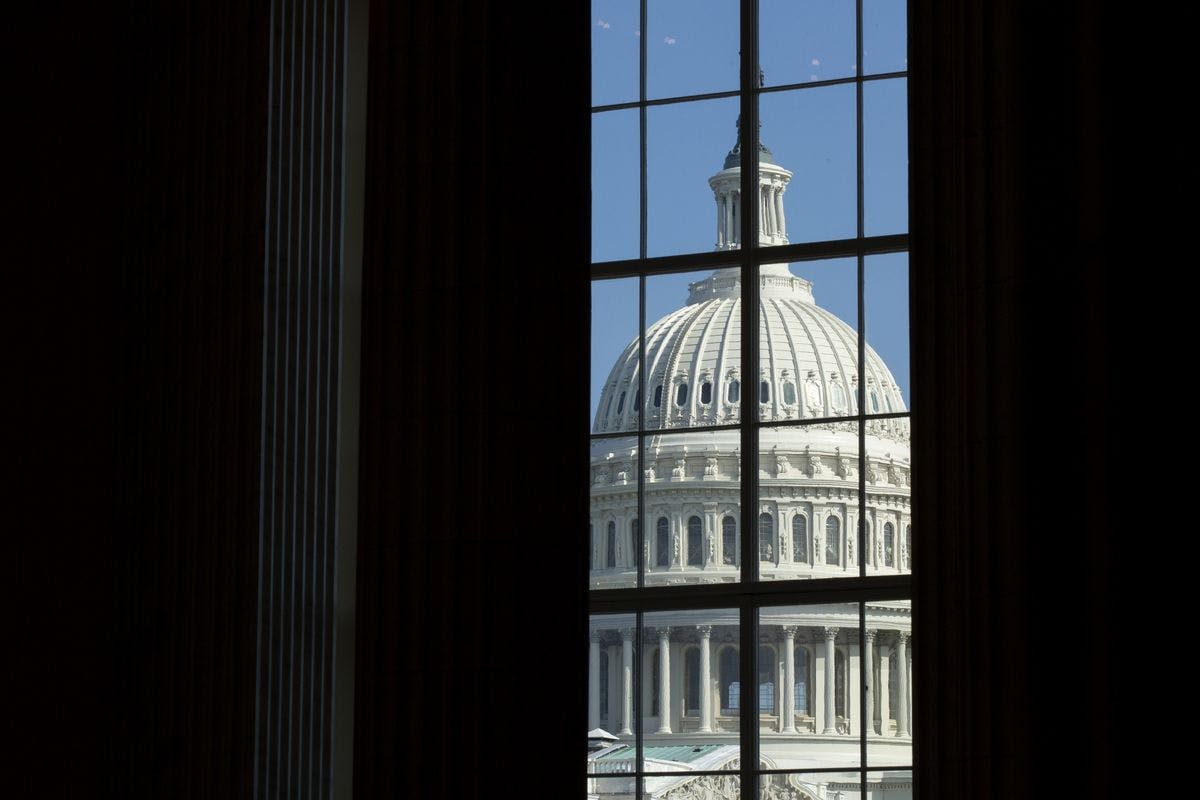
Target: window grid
(751, 595)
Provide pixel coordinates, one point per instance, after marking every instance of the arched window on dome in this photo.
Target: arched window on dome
(706, 392)
(837, 396)
(603, 684)
(874, 402)
(621, 404)
(610, 547)
(695, 544)
(833, 540)
(637, 401)
(764, 391)
(658, 396)
(728, 676)
(681, 395)
(800, 693)
(888, 402)
(767, 672)
(800, 539)
(733, 394)
(691, 681)
(729, 546)
(766, 537)
(889, 545)
(893, 685)
(608, 405)
(662, 542)
(789, 393)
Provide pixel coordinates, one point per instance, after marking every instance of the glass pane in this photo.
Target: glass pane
(708, 787)
(809, 41)
(693, 349)
(885, 31)
(812, 784)
(808, 501)
(809, 686)
(889, 496)
(885, 156)
(612, 522)
(687, 145)
(811, 135)
(611, 658)
(691, 698)
(615, 51)
(808, 340)
(693, 497)
(616, 175)
(885, 298)
(889, 637)
(614, 355)
(691, 47)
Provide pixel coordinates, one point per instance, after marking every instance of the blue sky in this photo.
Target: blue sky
(692, 48)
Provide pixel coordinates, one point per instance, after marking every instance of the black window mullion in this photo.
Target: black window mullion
(640, 763)
(748, 633)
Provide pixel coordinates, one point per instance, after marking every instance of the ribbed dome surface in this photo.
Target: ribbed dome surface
(807, 358)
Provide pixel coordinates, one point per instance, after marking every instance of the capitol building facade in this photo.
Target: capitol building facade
(811, 658)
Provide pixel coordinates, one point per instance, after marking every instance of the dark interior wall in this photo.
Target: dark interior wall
(140, 238)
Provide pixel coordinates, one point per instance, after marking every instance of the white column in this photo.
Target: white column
(626, 681)
(720, 220)
(789, 676)
(885, 719)
(727, 214)
(902, 684)
(780, 696)
(706, 715)
(830, 678)
(664, 680)
(779, 211)
(869, 668)
(594, 681)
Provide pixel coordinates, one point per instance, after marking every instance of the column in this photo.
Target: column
(869, 668)
(720, 221)
(780, 695)
(727, 207)
(594, 681)
(902, 684)
(789, 677)
(664, 680)
(626, 681)
(830, 681)
(779, 211)
(706, 715)
(885, 719)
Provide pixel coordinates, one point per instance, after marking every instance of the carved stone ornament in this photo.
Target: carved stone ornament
(706, 787)
(601, 476)
(710, 467)
(782, 465)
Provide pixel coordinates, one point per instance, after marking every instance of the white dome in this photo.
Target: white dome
(807, 358)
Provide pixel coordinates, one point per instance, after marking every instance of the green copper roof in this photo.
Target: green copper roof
(683, 753)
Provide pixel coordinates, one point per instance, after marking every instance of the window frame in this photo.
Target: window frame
(752, 595)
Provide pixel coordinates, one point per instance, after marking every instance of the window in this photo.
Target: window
(604, 713)
(695, 545)
(766, 537)
(833, 540)
(889, 545)
(610, 559)
(729, 541)
(804, 286)
(799, 539)
(621, 404)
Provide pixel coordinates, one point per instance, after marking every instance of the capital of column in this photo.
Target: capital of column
(594, 637)
(705, 631)
(870, 632)
(789, 631)
(830, 633)
(627, 633)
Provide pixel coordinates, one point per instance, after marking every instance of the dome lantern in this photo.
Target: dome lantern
(727, 188)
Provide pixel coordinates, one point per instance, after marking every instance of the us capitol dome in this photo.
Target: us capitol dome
(808, 516)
